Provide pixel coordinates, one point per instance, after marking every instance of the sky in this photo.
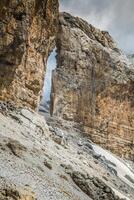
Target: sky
(115, 16)
(51, 65)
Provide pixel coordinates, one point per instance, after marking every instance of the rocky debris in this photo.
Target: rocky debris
(112, 170)
(10, 193)
(93, 85)
(87, 146)
(28, 29)
(68, 168)
(47, 164)
(108, 162)
(129, 178)
(93, 187)
(110, 166)
(63, 177)
(58, 136)
(96, 155)
(7, 107)
(29, 156)
(16, 147)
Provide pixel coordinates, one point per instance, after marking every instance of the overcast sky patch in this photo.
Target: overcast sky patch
(115, 16)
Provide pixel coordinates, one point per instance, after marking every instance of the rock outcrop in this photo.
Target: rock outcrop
(93, 85)
(28, 29)
(36, 163)
(12, 193)
(93, 186)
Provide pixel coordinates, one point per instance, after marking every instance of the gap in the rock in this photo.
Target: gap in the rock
(45, 100)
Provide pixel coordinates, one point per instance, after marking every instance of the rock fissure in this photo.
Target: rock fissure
(92, 102)
(23, 52)
(92, 85)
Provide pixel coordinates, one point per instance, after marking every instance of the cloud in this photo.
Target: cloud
(116, 16)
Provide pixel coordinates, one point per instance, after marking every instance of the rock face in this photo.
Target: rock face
(28, 29)
(93, 85)
(93, 186)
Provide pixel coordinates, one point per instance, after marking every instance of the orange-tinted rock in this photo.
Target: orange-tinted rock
(28, 29)
(16, 194)
(94, 85)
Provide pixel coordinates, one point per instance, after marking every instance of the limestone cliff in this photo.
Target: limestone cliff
(27, 35)
(94, 85)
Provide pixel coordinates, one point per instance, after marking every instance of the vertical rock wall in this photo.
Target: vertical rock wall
(94, 85)
(27, 35)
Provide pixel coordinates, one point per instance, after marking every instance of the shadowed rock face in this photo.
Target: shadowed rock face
(16, 194)
(27, 35)
(93, 85)
(92, 186)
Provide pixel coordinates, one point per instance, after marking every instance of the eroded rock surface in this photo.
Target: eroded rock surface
(93, 85)
(10, 192)
(34, 166)
(27, 35)
(93, 187)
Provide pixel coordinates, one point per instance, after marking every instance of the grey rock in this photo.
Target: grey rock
(68, 168)
(16, 148)
(129, 178)
(88, 145)
(93, 187)
(30, 157)
(48, 164)
(96, 156)
(13, 193)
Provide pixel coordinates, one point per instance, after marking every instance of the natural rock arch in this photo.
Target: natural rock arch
(92, 84)
(28, 30)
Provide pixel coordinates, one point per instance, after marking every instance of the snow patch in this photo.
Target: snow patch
(120, 195)
(121, 167)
